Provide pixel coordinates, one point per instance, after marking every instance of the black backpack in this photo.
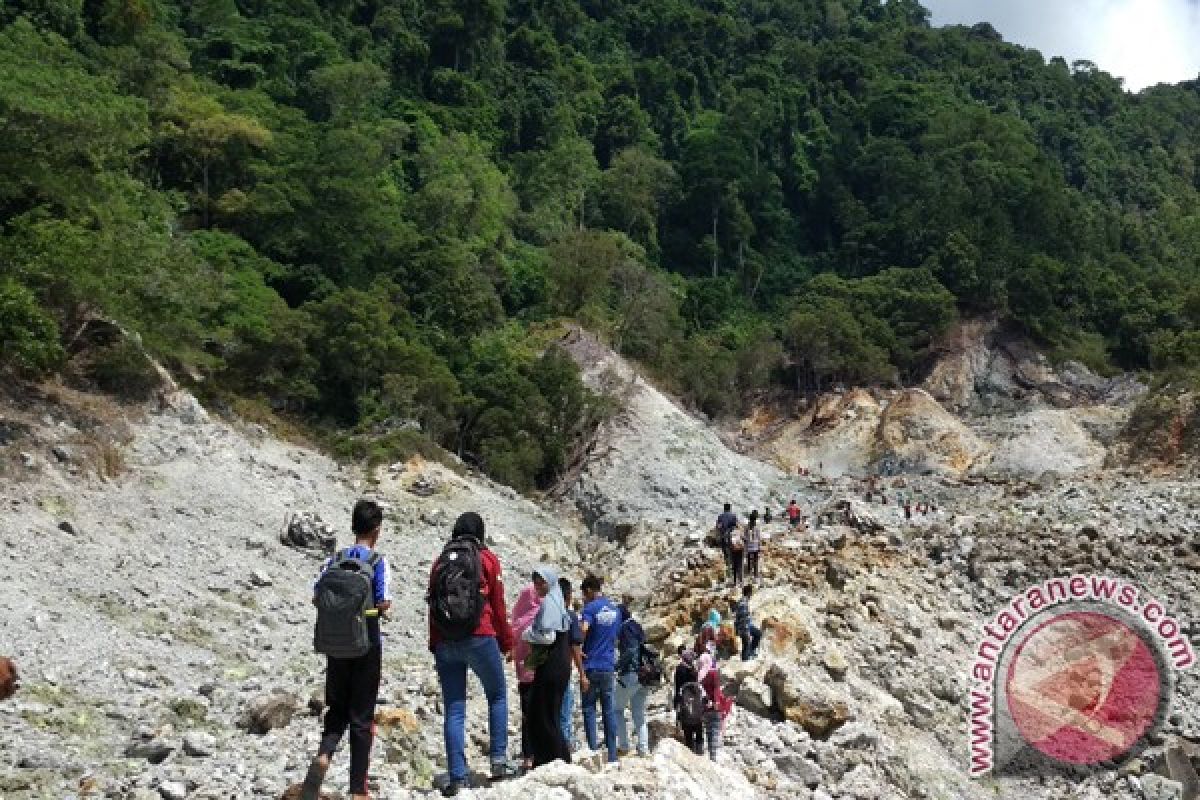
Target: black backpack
(691, 705)
(344, 595)
(650, 671)
(455, 599)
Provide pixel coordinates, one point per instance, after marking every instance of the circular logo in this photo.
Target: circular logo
(1084, 687)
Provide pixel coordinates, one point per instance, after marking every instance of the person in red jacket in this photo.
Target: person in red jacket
(484, 653)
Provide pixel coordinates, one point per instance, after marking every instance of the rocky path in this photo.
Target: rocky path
(164, 634)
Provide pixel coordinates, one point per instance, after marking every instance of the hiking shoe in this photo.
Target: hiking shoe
(448, 786)
(502, 770)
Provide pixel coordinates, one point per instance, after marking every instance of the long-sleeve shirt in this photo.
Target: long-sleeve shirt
(683, 676)
(741, 616)
(712, 689)
(494, 619)
(752, 537)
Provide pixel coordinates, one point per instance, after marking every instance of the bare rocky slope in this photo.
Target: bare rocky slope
(164, 633)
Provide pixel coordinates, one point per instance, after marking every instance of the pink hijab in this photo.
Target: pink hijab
(524, 611)
(704, 665)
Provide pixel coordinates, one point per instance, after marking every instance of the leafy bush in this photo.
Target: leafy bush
(28, 335)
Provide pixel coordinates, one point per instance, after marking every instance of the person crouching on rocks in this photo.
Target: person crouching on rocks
(550, 658)
(353, 646)
(468, 628)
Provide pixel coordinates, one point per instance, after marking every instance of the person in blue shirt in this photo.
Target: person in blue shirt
(352, 684)
(601, 619)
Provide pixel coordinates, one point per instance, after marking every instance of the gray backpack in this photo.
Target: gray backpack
(344, 595)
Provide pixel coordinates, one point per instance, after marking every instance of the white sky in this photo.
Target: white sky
(1143, 41)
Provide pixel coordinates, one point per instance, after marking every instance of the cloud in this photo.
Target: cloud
(1143, 41)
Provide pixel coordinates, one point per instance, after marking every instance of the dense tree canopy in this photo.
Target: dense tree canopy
(365, 211)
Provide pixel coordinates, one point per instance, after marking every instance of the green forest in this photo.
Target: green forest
(366, 214)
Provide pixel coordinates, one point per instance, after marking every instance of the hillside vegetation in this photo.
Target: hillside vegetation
(370, 212)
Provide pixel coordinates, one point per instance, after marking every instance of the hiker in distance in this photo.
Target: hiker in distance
(350, 594)
(469, 629)
(747, 631)
(726, 522)
(752, 538)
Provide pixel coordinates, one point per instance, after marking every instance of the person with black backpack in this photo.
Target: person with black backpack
(350, 594)
(633, 659)
(469, 628)
(689, 702)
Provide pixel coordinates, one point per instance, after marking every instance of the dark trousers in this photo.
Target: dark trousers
(351, 689)
(736, 556)
(752, 564)
(751, 637)
(524, 692)
(693, 738)
(546, 743)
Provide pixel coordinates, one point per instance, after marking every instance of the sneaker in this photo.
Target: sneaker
(502, 770)
(448, 786)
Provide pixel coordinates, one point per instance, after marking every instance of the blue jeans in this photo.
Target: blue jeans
(564, 722)
(600, 688)
(632, 695)
(482, 655)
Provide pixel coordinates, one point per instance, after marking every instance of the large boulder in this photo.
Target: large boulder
(755, 696)
(818, 711)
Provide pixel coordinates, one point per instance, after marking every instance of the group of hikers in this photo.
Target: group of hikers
(742, 545)
(547, 637)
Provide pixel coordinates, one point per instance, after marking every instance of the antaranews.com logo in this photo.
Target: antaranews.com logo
(1073, 673)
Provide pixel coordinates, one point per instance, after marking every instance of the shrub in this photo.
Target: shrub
(29, 341)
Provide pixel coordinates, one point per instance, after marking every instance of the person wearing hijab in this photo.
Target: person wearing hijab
(550, 659)
(717, 705)
(706, 642)
(523, 613)
(685, 673)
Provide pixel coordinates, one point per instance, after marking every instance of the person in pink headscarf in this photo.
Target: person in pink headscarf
(716, 706)
(524, 612)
